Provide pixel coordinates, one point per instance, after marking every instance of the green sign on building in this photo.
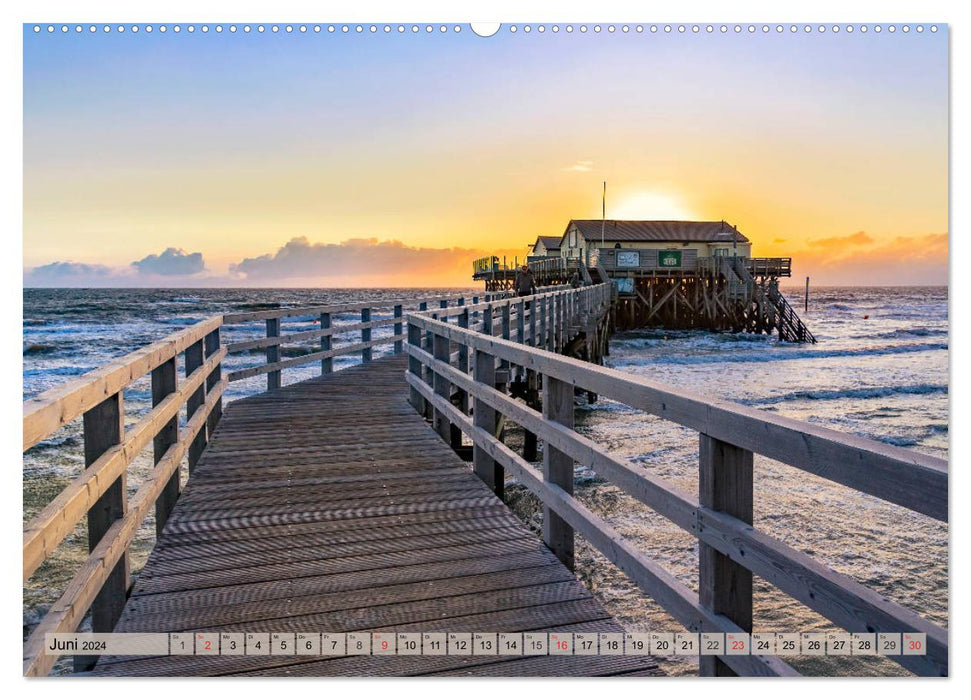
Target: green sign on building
(669, 258)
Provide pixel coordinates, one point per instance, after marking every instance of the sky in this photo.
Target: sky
(393, 160)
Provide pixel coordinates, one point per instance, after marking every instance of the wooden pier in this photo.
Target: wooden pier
(341, 503)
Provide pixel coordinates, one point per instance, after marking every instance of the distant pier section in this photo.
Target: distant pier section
(669, 274)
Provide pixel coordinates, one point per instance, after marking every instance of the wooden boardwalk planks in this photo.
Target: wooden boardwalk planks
(332, 506)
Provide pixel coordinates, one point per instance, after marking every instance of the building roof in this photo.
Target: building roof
(549, 241)
(661, 231)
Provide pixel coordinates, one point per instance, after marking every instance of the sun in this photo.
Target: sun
(656, 206)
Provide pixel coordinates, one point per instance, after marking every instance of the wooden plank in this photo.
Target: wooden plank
(55, 408)
(452, 593)
(724, 586)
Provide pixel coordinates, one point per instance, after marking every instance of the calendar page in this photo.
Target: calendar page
(427, 347)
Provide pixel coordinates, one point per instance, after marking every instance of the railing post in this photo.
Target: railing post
(273, 353)
(415, 398)
(463, 366)
(548, 323)
(366, 335)
(441, 352)
(327, 363)
(398, 344)
(464, 359)
(532, 322)
(520, 322)
(212, 347)
(506, 330)
(194, 358)
(558, 467)
(427, 347)
(104, 427)
(484, 416)
(724, 587)
(164, 383)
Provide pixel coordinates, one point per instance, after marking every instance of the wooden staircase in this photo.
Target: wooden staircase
(791, 328)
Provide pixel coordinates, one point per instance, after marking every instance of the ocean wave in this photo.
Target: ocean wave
(782, 354)
(57, 371)
(836, 394)
(39, 349)
(181, 321)
(913, 333)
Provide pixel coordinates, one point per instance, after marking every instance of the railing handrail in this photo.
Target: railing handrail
(51, 410)
(907, 478)
(237, 317)
(912, 480)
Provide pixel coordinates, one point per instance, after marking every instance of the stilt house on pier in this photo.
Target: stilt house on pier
(673, 274)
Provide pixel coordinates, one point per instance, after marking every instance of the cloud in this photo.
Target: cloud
(172, 267)
(173, 261)
(66, 273)
(779, 240)
(581, 166)
(362, 261)
(903, 260)
(854, 239)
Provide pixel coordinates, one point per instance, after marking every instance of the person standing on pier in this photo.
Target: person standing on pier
(525, 285)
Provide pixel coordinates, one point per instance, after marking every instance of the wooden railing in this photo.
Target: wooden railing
(465, 358)
(757, 267)
(101, 583)
(99, 493)
(333, 342)
(770, 267)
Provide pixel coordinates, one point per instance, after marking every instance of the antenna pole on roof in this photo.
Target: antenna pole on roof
(603, 215)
